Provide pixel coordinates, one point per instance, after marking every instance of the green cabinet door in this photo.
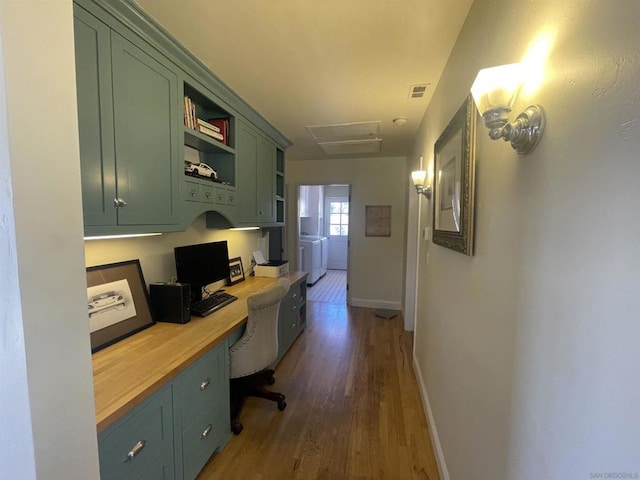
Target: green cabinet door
(145, 105)
(256, 177)
(95, 118)
(266, 173)
(247, 181)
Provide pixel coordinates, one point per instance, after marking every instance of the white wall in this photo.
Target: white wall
(156, 253)
(52, 433)
(376, 263)
(529, 349)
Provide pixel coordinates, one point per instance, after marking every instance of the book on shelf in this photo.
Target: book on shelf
(223, 125)
(208, 125)
(210, 133)
(190, 119)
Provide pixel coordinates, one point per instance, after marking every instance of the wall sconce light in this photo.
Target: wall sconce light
(419, 177)
(494, 91)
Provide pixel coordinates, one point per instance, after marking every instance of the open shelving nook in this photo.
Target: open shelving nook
(218, 155)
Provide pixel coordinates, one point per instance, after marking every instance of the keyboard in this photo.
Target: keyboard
(213, 302)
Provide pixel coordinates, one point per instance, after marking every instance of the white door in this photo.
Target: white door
(337, 231)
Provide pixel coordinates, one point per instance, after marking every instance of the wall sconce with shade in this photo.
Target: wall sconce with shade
(419, 178)
(494, 92)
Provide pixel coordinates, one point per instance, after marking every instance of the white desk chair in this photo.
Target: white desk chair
(252, 354)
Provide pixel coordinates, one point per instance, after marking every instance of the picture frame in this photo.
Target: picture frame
(117, 302)
(236, 270)
(378, 220)
(454, 182)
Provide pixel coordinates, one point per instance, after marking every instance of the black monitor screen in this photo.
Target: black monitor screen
(200, 265)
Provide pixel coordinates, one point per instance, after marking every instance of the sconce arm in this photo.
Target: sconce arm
(524, 133)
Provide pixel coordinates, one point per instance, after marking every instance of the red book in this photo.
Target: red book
(223, 125)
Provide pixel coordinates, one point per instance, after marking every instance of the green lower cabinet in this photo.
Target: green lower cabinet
(172, 434)
(291, 319)
(163, 469)
(202, 408)
(205, 435)
(140, 440)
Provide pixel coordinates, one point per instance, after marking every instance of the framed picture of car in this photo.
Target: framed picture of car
(117, 302)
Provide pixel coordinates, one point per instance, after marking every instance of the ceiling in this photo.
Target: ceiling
(330, 62)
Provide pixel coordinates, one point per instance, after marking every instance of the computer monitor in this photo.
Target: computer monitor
(202, 264)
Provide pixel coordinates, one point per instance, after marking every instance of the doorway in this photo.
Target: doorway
(323, 232)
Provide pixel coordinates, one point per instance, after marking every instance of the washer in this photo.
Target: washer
(311, 259)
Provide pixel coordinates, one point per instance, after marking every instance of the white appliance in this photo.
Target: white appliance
(324, 246)
(311, 259)
(324, 250)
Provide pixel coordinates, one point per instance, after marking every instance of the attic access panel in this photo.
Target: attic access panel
(351, 147)
(345, 131)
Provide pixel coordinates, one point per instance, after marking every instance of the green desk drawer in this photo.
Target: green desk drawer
(200, 383)
(136, 442)
(204, 436)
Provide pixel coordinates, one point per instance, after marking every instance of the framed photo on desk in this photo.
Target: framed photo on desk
(236, 270)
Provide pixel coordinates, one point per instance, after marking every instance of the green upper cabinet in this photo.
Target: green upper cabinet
(148, 136)
(95, 118)
(256, 172)
(130, 136)
(140, 95)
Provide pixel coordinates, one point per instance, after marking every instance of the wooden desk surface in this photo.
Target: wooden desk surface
(129, 371)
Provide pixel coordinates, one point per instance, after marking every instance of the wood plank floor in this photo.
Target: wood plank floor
(354, 409)
(331, 288)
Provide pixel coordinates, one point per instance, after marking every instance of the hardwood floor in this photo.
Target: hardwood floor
(331, 288)
(354, 409)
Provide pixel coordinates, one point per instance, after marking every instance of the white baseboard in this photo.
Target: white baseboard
(367, 303)
(435, 441)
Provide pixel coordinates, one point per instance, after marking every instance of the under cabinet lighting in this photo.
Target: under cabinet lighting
(131, 235)
(244, 228)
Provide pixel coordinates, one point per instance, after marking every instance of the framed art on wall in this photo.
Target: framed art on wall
(454, 183)
(117, 302)
(378, 221)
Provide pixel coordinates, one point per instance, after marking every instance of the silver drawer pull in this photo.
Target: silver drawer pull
(192, 192)
(119, 202)
(208, 194)
(205, 384)
(137, 448)
(206, 431)
(294, 295)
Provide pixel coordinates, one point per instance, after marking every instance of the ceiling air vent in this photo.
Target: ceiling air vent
(418, 91)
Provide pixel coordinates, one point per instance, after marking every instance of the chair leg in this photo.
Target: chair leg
(252, 385)
(238, 395)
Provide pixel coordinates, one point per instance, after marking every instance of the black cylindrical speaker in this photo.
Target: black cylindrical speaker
(170, 302)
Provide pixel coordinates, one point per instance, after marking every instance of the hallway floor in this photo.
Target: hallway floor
(354, 410)
(332, 288)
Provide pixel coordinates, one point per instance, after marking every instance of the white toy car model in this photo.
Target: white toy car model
(201, 169)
